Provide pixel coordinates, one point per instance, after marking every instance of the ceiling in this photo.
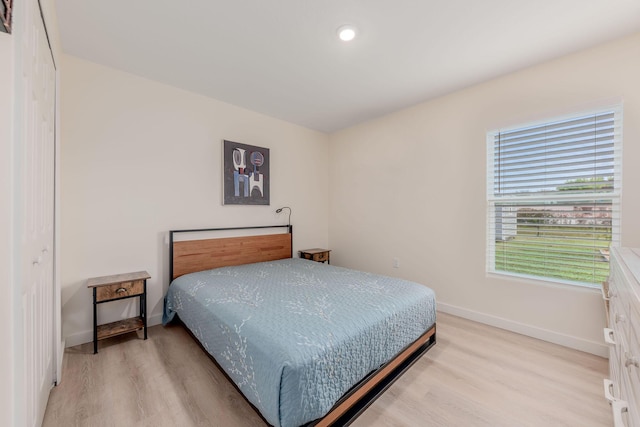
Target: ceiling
(282, 58)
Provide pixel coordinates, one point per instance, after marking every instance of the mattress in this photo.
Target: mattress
(295, 335)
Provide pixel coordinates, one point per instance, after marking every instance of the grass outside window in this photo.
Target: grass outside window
(556, 252)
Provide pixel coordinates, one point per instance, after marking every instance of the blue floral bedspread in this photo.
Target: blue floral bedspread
(295, 335)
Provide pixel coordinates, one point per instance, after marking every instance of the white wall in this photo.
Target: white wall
(411, 185)
(7, 324)
(140, 158)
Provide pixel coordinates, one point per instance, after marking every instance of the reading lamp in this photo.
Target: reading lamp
(285, 207)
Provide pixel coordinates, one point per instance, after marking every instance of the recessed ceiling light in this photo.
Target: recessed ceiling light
(347, 33)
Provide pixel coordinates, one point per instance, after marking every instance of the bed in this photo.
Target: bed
(304, 342)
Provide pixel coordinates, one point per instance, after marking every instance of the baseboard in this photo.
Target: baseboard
(599, 349)
(87, 336)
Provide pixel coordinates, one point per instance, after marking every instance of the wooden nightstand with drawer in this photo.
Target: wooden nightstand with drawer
(316, 254)
(115, 288)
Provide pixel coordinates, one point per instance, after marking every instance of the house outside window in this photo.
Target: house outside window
(553, 196)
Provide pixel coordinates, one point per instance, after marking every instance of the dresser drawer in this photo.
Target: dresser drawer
(119, 290)
(614, 370)
(629, 395)
(631, 358)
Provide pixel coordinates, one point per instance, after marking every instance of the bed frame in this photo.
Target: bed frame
(188, 256)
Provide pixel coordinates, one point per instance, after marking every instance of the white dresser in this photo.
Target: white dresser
(622, 388)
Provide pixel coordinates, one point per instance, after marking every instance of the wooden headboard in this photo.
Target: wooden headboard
(189, 256)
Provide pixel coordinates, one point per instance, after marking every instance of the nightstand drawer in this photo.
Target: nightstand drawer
(321, 257)
(119, 290)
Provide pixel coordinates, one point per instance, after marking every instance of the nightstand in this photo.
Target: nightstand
(316, 254)
(115, 288)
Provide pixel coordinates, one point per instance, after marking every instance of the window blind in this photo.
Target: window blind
(554, 197)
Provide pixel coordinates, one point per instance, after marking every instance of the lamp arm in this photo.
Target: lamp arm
(285, 207)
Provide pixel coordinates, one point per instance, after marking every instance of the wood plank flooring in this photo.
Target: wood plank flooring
(476, 375)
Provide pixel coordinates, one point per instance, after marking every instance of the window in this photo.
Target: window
(553, 196)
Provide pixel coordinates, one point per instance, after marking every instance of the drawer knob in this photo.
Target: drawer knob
(120, 290)
(608, 390)
(619, 407)
(609, 336)
(631, 361)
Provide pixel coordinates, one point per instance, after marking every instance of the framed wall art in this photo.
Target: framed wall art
(245, 174)
(6, 7)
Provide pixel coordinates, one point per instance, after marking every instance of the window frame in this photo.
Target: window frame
(494, 201)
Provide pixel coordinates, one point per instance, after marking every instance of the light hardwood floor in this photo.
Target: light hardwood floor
(476, 375)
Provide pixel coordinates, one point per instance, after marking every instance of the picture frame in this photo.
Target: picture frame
(245, 174)
(6, 9)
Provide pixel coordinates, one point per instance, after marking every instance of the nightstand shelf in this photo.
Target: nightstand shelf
(120, 327)
(115, 288)
(316, 254)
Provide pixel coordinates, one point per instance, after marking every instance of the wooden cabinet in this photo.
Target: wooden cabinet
(316, 254)
(622, 388)
(115, 288)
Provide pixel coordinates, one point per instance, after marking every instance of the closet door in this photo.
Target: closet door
(35, 126)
